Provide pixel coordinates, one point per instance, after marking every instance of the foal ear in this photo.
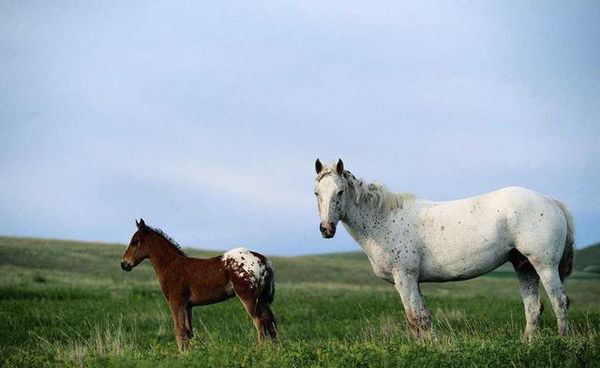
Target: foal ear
(339, 167)
(318, 166)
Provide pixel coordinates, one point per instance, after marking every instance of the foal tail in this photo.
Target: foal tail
(268, 292)
(565, 267)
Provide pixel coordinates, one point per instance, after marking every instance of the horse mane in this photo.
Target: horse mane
(169, 240)
(373, 195)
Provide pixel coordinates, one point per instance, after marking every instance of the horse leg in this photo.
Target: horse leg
(189, 329)
(254, 311)
(417, 313)
(179, 324)
(268, 321)
(554, 288)
(529, 286)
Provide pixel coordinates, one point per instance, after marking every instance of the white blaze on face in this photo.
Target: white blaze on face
(247, 265)
(329, 190)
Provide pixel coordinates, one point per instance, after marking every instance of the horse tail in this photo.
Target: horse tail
(565, 267)
(268, 292)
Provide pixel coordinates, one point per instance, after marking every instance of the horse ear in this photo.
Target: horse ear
(140, 225)
(339, 167)
(318, 166)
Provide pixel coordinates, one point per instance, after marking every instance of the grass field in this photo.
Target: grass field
(69, 303)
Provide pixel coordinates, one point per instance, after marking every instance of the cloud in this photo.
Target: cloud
(208, 113)
(260, 187)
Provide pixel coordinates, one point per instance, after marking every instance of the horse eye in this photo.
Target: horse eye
(317, 194)
(340, 192)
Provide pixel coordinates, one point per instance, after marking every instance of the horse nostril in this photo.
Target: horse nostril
(322, 228)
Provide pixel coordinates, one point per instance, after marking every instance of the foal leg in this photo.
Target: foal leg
(179, 324)
(268, 322)
(417, 313)
(189, 329)
(254, 311)
(529, 286)
(554, 288)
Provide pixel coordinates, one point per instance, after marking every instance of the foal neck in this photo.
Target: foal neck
(162, 253)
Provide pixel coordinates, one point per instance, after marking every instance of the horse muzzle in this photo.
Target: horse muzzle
(328, 230)
(126, 266)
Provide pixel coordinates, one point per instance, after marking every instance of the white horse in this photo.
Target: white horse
(410, 240)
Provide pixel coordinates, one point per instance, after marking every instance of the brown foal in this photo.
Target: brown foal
(187, 282)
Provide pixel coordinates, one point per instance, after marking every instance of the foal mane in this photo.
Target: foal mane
(373, 195)
(169, 240)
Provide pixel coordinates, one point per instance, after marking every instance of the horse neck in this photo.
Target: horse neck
(161, 254)
(364, 223)
(361, 220)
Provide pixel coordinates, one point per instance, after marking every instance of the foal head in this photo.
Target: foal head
(330, 190)
(138, 248)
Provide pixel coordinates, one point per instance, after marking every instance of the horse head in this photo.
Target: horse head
(330, 189)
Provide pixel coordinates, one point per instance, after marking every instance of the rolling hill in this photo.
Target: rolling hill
(67, 303)
(588, 259)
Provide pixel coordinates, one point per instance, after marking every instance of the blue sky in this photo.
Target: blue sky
(205, 118)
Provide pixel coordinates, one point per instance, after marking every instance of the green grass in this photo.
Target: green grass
(68, 303)
(588, 259)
